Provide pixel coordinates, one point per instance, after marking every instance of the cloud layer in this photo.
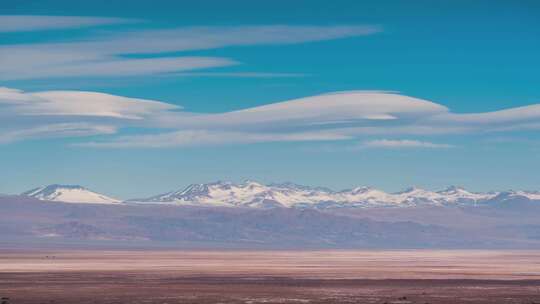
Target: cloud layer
(147, 52)
(403, 143)
(356, 115)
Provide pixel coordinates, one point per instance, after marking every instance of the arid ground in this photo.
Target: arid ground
(328, 276)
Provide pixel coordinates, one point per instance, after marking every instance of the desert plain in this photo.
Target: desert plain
(269, 276)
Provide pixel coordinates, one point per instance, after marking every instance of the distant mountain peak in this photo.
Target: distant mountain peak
(295, 186)
(251, 182)
(411, 189)
(52, 187)
(454, 188)
(511, 194)
(360, 190)
(69, 194)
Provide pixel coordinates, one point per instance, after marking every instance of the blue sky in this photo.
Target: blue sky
(195, 64)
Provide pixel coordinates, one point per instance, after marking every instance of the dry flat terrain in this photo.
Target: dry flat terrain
(328, 276)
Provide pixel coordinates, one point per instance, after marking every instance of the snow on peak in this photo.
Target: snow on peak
(69, 194)
(294, 186)
(289, 195)
(254, 194)
(362, 189)
(411, 190)
(454, 189)
(531, 195)
(456, 194)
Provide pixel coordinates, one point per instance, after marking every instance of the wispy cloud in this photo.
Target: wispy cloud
(192, 138)
(403, 144)
(20, 23)
(209, 37)
(56, 131)
(241, 74)
(120, 67)
(104, 55)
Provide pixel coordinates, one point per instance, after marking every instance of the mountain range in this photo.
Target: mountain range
(250, 194)
(253, 215)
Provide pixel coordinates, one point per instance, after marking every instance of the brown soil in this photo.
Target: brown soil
(270, 277)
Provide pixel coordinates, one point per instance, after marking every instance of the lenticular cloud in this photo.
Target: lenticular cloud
(328, 117)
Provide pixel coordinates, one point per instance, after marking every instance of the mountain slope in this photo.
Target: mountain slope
(26, 221)
(69, 194)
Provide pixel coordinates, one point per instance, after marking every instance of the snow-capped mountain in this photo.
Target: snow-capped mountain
(513, 198)
(252, 194)
(531, 195)
(69, 194)
(247, 194)
(450, 196)
(289, 195)
(459, 195)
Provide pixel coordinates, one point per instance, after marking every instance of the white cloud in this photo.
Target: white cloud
(19, 23)
(403, 143)
(205, 138)
(77, 103)
(337, 116)
(104, 55)
(207, 37)
(71, 113)
(518, 114)
(323, 111)
(240, 74)
(115, 67)
(56, 130)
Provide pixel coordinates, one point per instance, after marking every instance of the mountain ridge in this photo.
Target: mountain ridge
(291, 195)
(251, 194)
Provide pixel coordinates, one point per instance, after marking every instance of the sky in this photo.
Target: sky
(134, 100)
